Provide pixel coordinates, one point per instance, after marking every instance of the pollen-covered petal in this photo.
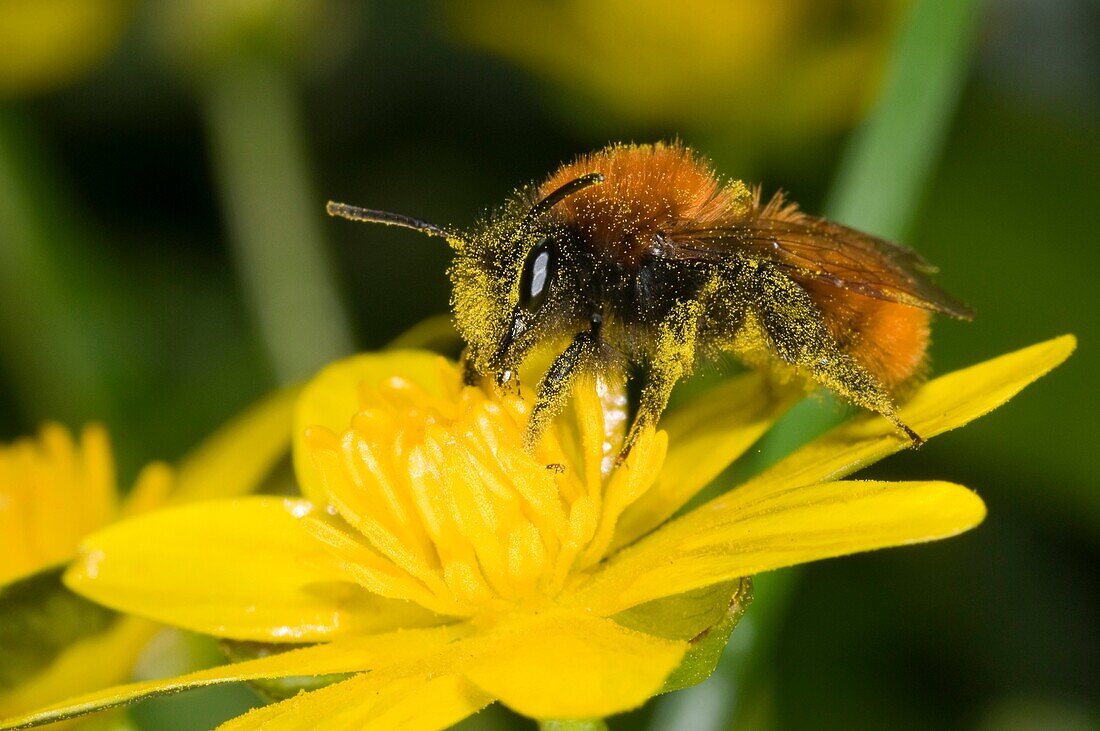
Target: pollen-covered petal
(354, 554)
(941, 405)
(244, 569)
(572, 665)
(704, 437)
(333, 397)
(624, 488)
(236, 458)
(347, 656)
(376, 701)
(740, 535)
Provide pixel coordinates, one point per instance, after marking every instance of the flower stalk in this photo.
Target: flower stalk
(590, 724)
(260, 160)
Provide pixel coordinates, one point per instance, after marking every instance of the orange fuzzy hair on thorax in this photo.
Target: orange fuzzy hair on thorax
(667, 188)
(647, 189)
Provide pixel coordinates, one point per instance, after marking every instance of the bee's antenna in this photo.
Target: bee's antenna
(355, 213)
(573, 186)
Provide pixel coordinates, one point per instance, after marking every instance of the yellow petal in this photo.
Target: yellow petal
(943, 404)
(332, 398)
(44, 45)
(239, 455)
(572, 665)
(98, 501)
(436, 333)
(53, 491)
(740, 535)
(94, 662)
(376, 701)
(704, 437)
(151, 490)
(369, 653)
(243, 569)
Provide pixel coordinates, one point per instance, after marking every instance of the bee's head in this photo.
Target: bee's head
(508, 290)
(513, 287)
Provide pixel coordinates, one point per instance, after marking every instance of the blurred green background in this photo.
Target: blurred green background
(165, 260)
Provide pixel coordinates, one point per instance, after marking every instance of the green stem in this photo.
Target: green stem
(56, 347)
(587, 724)
(884, 170)
(891, 157)
(273, 216)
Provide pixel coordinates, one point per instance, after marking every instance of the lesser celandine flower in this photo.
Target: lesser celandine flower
(45, 44)
(692, 63)
(443, 567)
(56, 490)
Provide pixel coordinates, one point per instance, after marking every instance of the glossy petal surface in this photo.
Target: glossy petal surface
(740, 535)
(376, 701)
(369, 653)
(704, 437)
(571, 665)
(243, 569)
(941, 405)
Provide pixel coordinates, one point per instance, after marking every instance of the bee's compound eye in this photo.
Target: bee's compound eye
(538, 270)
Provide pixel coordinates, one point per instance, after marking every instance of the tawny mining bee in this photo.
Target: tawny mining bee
(643, 260)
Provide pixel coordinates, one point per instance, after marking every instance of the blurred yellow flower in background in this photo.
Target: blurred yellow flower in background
(45, 44)
(786, 69)
(54, 492)
(446, 568)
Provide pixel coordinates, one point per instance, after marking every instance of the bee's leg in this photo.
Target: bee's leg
(800, 337)
(558, 380)
(470, 376)
(672, 359)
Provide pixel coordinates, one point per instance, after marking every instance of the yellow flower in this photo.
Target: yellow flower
(54, 492)
(445, 568)
(48, 43)
(689, 64)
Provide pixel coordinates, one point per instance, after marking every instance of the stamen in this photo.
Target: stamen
(456, 515)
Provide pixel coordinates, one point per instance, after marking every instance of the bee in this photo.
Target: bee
(640, 259)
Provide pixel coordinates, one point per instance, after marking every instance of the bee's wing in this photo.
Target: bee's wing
(818, 249)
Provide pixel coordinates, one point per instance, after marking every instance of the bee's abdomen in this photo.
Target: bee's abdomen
(889, 339)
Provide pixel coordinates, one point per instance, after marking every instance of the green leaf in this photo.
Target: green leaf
(39, 618)
(705, 617)
(683, 616)
(706, 648)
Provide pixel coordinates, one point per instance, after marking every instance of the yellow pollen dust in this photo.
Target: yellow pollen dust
(435, 500)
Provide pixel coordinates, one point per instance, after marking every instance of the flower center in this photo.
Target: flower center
(453, 513)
